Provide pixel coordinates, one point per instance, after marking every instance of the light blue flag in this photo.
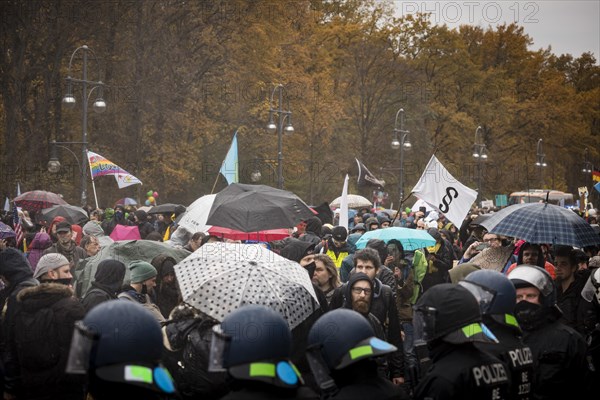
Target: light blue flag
(229, 168)
(597, 186)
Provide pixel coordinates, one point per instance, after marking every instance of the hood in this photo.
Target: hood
(296, 249)
(14, 266)
(164, 265)
(93, 229)
(110, 273)
(314, 225)
(348, 289)
(380, 246)
(41, 241)
(43, 295)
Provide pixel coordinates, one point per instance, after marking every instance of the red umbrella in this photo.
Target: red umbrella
(262, 236)
(122, 232)
(38, 199)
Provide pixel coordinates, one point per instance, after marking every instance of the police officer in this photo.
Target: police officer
(498, 316)
(342, 348)
(119, 345)
(558, 350)
(254, 344)
(448, 318)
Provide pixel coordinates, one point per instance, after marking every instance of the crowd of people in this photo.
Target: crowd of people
(475, 316)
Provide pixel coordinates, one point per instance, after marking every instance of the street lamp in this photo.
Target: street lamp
(69, 101)
(540, 161)
(54, 164)
(282, 116)
(587, 165)
(400, 141)
(480, 153)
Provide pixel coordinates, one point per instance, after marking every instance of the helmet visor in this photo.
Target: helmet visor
(424, 323)
(484, 296)
(81, 348)
(592, 288)
(219, 348)
(535, 276)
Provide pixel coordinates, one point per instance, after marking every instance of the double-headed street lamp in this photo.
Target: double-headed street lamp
(69, 102)
(587, 165)
(282, 116)
(540, 159)
(479, 153)
(400, 141)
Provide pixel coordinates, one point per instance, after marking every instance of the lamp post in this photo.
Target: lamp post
(587, 165)
(282, 115)
(400, 141)
(69, 102)
(479, 153)
(540, 161)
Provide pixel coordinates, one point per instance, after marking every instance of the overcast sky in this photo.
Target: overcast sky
(567, 26)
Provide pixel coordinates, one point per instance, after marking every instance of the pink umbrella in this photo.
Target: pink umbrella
(262, 236)
(122, 232)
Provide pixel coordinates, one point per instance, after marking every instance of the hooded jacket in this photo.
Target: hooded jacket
(94, 229)
(106, 285)
(313, 231)
(40, 242)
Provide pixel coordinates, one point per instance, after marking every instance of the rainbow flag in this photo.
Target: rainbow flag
(100, 166)
(596, 175)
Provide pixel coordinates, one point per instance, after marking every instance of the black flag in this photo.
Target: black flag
(366, 178)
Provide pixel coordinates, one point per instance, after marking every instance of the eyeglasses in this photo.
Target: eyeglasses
(359, 290)
(491, 240)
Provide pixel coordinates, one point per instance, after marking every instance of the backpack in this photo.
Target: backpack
(37, 342)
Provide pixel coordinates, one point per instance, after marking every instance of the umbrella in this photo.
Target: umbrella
(221, 277)
(262, 236)
(123, 232)
(542, 223)
(194, 219)
(38, 200)
(167, 208)
(126, 252)
(354, 201)
(74, 215)
(126, 201)
(6, 231)
(251, 208)
(411, 239)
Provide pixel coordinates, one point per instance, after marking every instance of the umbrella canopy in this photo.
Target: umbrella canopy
(194, 219)
(262, 236)
(126, 252)
(6, 231)
(252, 208)
(38, 200)
(354, 201)
(411, 239)
(542, 223)
(72, 214)
(126, 201)
(167, 208)
(122, 232)
(251, 274)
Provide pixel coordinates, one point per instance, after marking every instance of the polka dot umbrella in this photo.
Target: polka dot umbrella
(221, 277)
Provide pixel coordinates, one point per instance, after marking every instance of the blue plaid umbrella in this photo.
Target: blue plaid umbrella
(542, 223)
(411, 239)
(6, 231)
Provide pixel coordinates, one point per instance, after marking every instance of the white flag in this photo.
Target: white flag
(124, 180)
(344, 205)
(7, 205)
(439, 189)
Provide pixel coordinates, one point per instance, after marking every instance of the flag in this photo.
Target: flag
(596, 175)
(597, 186)
(101, 166)
(124, 180)
(366, 178)
(229, 168)
(438, 188)
(7, 205)
(17, 226)
(18, 189)
(344, 205)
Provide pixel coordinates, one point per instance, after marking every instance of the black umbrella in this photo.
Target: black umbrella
(252, 208)
(74, 215)
(167, 208)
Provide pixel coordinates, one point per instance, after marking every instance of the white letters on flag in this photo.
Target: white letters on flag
(438, 188)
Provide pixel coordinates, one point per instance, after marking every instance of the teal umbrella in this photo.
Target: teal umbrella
(411, 239)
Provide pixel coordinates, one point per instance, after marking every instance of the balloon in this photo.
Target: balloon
(155, 194)
(151, 199)
(149, 193)
(147, 202)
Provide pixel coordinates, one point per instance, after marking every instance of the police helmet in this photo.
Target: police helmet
(345, 337)
(533, 276)
(254, 342)
(448, 312)
(591, 289)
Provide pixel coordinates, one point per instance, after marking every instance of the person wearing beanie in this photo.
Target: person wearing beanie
(142, 284)
(336, 246)
(106, 285)
(141, 220)
(54, 268)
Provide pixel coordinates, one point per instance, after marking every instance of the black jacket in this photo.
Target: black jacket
(571, 303)
(360, 381)
(98, 293)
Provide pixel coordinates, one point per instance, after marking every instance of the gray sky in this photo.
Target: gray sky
(567, 26)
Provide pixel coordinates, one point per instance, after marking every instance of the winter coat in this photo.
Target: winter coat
(94, 229)
(337, 254)
(439, 266)
(130, 294)
(41, 375)
(74, 257)
(313, 231)
(360, 381)
(253, 390)
(570, 301)
(36, 248)
(404, 293)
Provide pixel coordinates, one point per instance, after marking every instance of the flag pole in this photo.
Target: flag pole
(215, 185)
(92, 176)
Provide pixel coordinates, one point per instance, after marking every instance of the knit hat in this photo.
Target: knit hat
(141, 271)
(340, 233)
(49, 262)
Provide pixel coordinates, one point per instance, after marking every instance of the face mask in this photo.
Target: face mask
(529, 315)
(310, 268)
(144, 289)
(64, 281)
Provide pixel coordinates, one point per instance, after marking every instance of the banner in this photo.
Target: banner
(366, 178)
(101, 166)
(439, 189)
(229, 168)
(124, 180)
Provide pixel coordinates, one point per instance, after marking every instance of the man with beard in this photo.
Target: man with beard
(143, 282)
(558, 350)
(66, 245)
(106, 285)
(38, 351)
(167, 291)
